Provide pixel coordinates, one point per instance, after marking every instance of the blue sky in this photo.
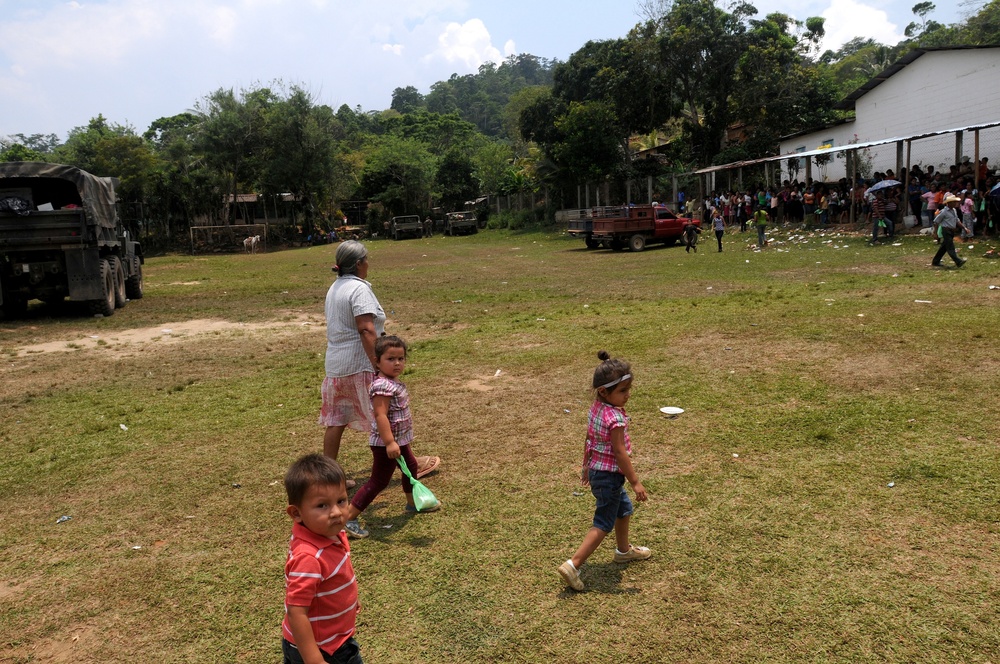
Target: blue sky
(63, 62)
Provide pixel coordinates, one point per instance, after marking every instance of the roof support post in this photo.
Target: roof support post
(854, 181)
(958, 147)
(649, 188)
(975, 163)
(899, 158)
(809, 171)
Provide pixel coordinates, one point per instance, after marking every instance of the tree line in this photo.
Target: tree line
(703, 83)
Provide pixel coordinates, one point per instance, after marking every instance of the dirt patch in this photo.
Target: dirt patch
(169, 333)
(68, 646)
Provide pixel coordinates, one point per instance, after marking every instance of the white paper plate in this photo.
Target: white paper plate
(671, 410)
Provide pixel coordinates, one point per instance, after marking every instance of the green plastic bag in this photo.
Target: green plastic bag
(423, 498)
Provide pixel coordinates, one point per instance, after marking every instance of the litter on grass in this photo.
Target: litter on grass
(923, 302)
(123, 427)
(671, 410)
(63, 519)
(891, 484)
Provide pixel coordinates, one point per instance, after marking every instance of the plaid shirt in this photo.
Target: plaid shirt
(603, 418)
(400, 419)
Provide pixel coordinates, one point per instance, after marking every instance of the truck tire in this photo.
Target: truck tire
(105, 306)
(14, 306)
(637, 242)
(118, 271)
(133, 285)
(591, 242)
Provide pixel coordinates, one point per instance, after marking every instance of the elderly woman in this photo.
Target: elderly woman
(354, 319)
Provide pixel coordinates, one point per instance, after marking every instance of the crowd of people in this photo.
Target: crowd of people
(879, 201)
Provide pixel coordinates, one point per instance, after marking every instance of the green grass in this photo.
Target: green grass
(810, 377)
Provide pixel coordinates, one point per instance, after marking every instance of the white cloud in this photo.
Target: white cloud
(847, 19)
(395, 49)
(468, 43)
(509, 48)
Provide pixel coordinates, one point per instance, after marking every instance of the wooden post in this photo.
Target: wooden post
(578, 206)
(586, 189)
(673, 201)
(809, 170)
(899, 158)
(958, 148)
(649, 188)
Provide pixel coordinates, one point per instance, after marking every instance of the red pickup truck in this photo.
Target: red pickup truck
(635, 226)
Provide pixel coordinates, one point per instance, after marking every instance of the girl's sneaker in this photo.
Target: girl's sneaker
(633, 553)
(571, 575)
(355, 531)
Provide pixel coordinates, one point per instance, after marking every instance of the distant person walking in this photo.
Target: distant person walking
(719, 225)
(760, 221)
(691, 232)
(947, 220)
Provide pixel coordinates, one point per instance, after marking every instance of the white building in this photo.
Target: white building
(928, 91)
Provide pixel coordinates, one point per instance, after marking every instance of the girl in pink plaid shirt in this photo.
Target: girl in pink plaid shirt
(607, 463)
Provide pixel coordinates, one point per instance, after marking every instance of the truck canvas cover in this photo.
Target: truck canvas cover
(97, 194)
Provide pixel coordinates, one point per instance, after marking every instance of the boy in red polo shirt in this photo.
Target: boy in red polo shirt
(321, 592)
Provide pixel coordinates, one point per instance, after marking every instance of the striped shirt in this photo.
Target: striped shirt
(349, 296)
(400, 419)
(603, 418)
(318, 574)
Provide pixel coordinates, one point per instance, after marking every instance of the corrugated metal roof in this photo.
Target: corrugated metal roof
(846, 147)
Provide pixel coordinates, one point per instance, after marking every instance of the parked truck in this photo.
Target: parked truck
(60, 236)
(460, 222)
(579, 223)
(635, 226)
(409, 224)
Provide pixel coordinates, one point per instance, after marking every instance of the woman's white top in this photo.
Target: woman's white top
(349, 296)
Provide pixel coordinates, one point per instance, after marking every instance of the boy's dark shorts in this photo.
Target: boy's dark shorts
(349, 653)
(613, 502)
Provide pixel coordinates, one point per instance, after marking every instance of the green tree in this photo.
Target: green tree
(299, 153)
(399, 174)
(18, 152)
(455, 182)
(406, 100)
(109, 149)
(231, 139)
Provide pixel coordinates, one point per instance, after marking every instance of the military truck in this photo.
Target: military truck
(60, 236)
(460, 222)
(409, 224)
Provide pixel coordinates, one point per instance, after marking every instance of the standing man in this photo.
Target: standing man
(760, 221)
(947, 220)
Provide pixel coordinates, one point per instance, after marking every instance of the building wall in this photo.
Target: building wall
(940, 90)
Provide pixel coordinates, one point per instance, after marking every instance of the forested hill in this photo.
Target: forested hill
(481, 98)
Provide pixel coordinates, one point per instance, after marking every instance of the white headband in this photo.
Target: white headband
(615, 382)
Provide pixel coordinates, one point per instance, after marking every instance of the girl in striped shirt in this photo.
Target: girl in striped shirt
(607, 463)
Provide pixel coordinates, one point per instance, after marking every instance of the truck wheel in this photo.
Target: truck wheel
(133, 285)
(118, 271)
(637, 242)
(105, 305)
(591, 242)
(13, 307)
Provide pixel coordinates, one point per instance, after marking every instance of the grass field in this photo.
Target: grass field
(830, 494)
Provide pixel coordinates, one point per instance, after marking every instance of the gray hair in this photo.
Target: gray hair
(349, 255)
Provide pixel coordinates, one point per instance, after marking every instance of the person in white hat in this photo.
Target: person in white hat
(949, 223)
